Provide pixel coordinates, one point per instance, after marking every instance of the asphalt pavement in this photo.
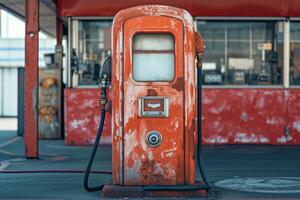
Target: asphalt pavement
(234, 172)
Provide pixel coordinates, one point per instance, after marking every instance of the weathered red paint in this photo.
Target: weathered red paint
(251, 116)
(134, 162)
(210, 8)
(230, 116)
(134, 136)
(31, 78)
(82, 117)
(293, 118)
(243, 116)
(266, 125)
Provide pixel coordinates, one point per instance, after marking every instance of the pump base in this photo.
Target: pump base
(118, 191)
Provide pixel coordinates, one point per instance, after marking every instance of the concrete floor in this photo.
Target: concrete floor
(222, 162)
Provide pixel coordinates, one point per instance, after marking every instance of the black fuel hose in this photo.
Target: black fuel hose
(206, 185)
(92, 156)
(199, 127)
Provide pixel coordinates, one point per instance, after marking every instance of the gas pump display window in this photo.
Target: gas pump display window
(153, 57)
(242, 52)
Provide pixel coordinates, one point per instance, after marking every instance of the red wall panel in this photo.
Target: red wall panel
(82, 117)
(230, 116)
(218, 8)
(234, 116)
(293, 111)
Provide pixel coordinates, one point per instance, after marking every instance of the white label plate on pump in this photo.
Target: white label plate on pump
(153, 106)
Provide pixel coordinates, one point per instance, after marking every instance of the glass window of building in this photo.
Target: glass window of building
(242, 53)
(295, 53)
(153, 57)
(91, 42)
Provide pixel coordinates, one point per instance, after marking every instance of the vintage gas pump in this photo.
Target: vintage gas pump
(153, 101)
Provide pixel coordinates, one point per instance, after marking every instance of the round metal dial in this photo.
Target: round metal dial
(153, 138)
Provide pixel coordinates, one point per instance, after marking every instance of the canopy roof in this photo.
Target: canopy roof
(210, 8)
(47, 13)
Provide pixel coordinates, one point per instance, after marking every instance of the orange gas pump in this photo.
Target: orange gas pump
(153, 101)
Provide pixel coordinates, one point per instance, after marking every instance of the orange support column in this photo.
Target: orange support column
(31, 78)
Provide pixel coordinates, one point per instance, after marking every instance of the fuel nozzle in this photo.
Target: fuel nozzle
(104, 82)
(103, 96)
(105, 71)
(199, 57)
(199, 46)
(105, 77)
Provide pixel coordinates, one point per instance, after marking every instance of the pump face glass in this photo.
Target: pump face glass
(153, 57)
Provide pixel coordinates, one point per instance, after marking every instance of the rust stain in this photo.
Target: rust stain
(148, 174)
(192, 128)
(151, 92)
(130, 162)
(179, 84)
(144, 165)
(135, 154)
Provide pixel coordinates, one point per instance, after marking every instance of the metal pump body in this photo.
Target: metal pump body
(154, 113)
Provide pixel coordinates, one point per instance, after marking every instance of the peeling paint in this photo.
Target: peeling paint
(144, 164)
(218, 127)
(296, 125)
(82, 117)
(284, 139)
(272, 120)
(250, 138)
(216, 139)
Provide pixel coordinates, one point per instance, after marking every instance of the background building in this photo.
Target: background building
(251, 71)
(12, 56)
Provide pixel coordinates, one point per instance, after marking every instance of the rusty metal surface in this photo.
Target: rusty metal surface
(134, 162)
(117, 191)
(82, 117)
(220, 8)
(31, 78)
(143, 164)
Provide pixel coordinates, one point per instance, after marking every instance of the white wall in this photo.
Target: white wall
(9, 91)
(12, 51)
(1, 92)
(12, 55)
(13, 27)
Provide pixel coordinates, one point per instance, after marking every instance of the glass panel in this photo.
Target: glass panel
(91, 42)
(295, 53)
(153, 42)
(242, 53)
(153, 57)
